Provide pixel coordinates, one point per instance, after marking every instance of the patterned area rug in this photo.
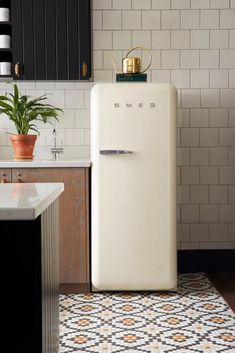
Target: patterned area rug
(196, 319)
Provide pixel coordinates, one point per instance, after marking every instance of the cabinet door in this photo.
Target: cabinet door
(74, 239)
(5, 175)
(51, 39)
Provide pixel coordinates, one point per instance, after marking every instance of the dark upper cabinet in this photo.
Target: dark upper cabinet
(51, 39)
(5, 41)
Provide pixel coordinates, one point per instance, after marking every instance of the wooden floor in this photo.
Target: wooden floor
(225, 284)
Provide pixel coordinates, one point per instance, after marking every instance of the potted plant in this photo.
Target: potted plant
(24, 112)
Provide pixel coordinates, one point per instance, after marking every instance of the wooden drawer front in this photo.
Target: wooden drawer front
(74, 242)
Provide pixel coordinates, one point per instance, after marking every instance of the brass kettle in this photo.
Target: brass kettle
(132, 65)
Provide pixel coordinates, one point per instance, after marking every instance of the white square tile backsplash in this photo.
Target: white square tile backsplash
(160, 4)
(220, 4)
(170, 19)
(161, 39)
(193, 46)
(130, 19)
(199, 232)
(180, 4)
(219, 79)
(200, 78)
(190, 19)
(170, 59)
(200, 4)
(232, 39)
(232, 78)
(112, 19)
(209, 59)
(199, 117)
(210, 19)
(120, 4)
(191, 98)
(219, 156)
(219, 39)
(180, 39)
(189, 59)
(151, 19)
(200, 39)
(227, 19)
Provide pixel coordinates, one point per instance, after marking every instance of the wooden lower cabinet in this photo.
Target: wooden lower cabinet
(74, 219)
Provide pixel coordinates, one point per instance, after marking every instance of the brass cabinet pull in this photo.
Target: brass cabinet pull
(4, 179)
(17, 69)
(19, 180)
(84, 69)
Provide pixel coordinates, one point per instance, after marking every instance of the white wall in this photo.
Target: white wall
(193, 47)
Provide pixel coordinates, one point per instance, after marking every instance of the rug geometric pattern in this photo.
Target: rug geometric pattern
(194, 320)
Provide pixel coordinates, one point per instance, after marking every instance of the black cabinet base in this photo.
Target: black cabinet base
(29, 278)
(206, 260)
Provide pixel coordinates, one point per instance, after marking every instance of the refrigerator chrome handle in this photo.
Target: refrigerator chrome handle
(108, 152)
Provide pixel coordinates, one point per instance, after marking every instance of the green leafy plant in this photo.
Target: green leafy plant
(23, 111)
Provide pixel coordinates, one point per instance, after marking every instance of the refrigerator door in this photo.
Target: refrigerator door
(133, 244)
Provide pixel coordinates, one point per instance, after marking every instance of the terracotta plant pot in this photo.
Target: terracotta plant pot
(23, 146)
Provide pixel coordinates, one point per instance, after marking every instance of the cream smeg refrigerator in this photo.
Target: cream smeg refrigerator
(133, 202)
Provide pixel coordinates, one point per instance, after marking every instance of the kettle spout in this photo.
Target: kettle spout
(114, 63)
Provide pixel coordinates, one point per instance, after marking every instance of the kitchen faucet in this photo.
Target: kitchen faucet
(55, 150)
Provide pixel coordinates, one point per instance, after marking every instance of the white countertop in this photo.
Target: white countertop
(70, 163)
(27, 201)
